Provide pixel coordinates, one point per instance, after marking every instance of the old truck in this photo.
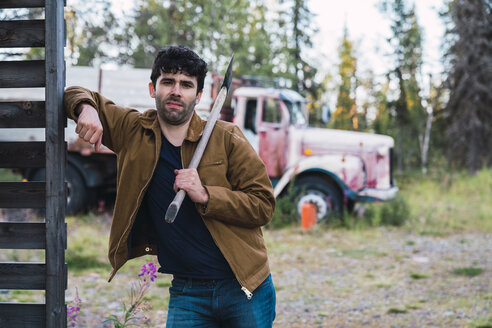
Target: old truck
(332, 169)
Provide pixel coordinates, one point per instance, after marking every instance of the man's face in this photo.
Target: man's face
(175, 97)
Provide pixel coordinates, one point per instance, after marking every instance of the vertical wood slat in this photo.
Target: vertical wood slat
(55, 168)
(22, 74)
(22, 235)
(22, 154)
(22, 315)
(22, 114)
(21, 33)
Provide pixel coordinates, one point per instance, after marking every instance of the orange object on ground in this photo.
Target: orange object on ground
(308, 215)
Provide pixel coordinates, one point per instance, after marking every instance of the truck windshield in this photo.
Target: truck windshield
(295, 112)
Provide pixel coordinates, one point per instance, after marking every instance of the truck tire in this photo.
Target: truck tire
(324, 194)
(76, 189)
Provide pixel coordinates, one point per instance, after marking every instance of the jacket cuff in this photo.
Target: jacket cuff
(203, 209)
(72, 99)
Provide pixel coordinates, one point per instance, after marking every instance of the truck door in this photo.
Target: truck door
(272, 131)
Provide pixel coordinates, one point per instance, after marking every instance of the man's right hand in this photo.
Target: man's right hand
(89, 125)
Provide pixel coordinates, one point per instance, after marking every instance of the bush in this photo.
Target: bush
(285, 210)
(395, 212)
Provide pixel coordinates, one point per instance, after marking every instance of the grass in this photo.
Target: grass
(8, 175)
(87, 245)
(436, 204)
(397, 311)
(449, 201)
(468, 272)
(418, 276)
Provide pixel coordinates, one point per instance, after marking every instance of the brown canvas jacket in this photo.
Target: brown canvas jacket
(241, 194)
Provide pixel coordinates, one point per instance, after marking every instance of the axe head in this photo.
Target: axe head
(228, 76)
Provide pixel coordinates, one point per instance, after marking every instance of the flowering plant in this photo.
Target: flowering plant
(73, 310)
(131, 316)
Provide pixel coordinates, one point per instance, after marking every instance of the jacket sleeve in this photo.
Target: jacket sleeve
(250, 201)
(115, 120)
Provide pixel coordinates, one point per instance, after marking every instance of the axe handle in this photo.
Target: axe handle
(175, 205)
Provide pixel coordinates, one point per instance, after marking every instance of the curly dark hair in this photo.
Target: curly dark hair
(174, 59)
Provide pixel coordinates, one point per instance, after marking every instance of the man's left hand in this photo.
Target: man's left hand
(189, 181)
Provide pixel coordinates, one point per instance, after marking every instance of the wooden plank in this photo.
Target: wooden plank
(22, 315)
(21, 33)
(22, 74)
(22, 154)
(22, 3)
(22, 114)
(17, 275)
(55, 168)
(23, 195)
(22, 235)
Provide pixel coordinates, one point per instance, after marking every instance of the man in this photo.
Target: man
(215, 248)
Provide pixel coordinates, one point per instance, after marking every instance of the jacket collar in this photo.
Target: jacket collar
(195, 130)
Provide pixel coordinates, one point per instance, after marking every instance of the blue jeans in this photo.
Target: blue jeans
(219, 303)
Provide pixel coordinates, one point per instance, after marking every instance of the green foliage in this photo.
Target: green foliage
(468, 272)
(286, 213)
(418, 276)
(395, 212)
(391, 213)
(467, 114)
(408, 115)
(87, 248)
(447, 200)
(345, 116)
(9, 175)
(397, 311)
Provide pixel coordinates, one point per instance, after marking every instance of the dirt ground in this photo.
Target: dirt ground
(336, 278)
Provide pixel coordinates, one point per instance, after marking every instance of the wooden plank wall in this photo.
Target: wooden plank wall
(49, 235)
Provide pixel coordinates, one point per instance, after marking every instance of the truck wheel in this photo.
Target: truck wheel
(322, 193)
(76, 189)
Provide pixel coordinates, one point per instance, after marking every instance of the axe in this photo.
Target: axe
(173, 208)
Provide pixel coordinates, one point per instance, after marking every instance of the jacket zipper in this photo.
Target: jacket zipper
(249, 294)
(138, 202)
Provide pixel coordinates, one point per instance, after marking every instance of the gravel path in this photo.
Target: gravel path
(336, 278)
(380, 278)
(327, 278)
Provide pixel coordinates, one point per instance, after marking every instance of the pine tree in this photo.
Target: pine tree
(469, 109)
(410, 116)
(345, 116)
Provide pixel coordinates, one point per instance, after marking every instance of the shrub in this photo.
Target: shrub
(285, 210)
(395, 212)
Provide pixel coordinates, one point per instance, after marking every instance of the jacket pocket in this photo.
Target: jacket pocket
(213, 163)
(213, 173)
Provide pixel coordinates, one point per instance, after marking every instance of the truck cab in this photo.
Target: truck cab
(333, 169)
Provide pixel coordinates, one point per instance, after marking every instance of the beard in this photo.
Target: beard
(174, 116)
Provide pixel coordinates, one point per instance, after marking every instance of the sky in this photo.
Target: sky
(370, 29)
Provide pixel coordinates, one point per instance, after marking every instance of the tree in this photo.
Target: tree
(213, 29)
(295, 30)
(469, 110)
(410, 115)
(345, 116)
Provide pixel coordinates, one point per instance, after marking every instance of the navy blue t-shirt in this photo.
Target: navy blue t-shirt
(186, 247)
